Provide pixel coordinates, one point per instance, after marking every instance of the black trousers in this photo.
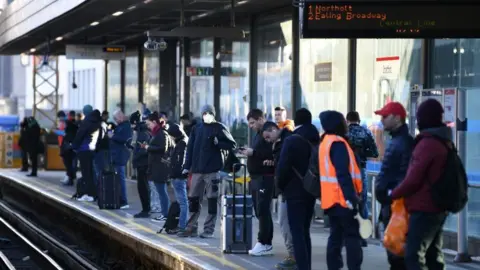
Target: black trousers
(262, 196)
(68, 160)
(300, 214)
(24, 154)
(425, 241)
(34, 160)
(143, 188)
(86, 184)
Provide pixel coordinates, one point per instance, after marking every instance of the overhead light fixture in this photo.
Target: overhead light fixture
(59, 38)
(118, 13)
(132, 7)
(242, 2)
(147, 1)
(94, 23)
(32, 50)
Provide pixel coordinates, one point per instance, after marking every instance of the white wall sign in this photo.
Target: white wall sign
(93, 52)
(387, 67)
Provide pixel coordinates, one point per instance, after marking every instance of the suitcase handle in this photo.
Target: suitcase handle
(240, 166)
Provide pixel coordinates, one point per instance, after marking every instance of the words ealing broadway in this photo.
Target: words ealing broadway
(341, 12)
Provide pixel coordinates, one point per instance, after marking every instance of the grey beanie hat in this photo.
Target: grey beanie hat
(208, 109)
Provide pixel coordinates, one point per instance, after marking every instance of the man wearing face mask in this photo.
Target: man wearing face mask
(394, 166)
(204, 159)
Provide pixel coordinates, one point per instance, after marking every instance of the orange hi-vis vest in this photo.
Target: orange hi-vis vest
(331, 191)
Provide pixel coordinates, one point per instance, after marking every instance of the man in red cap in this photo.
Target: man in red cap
(394, 165)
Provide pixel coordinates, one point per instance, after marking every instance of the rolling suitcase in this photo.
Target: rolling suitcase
(236, 220)
(108, 186)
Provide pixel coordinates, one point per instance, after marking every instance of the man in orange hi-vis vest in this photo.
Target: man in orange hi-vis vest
(341, 185)
(281, 119)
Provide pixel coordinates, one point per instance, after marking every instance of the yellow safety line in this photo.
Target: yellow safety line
(148, 230)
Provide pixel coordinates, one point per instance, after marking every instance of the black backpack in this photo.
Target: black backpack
(311, 179)
(450, 192)
(173, 217)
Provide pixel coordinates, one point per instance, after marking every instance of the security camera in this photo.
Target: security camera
(162, 45)
(150, 45)
(74, 86)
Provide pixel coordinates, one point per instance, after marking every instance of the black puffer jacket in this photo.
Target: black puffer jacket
(159, 150)
(395, 163)
(203, 156)
(140, 155)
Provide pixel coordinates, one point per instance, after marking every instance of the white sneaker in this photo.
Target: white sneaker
(85, 198)
(261, 250)
(125, 206)
(65, 179)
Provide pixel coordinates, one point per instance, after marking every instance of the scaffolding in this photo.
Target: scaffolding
(45, 89)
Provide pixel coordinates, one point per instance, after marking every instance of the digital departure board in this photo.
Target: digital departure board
(391, 20)
(114, 49)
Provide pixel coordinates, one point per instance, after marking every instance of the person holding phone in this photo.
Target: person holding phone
(159, 148)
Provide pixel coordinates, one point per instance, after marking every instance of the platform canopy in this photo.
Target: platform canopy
(39, 27)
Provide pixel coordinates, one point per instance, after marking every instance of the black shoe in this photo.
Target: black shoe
(32, 175)
(142, 215)
(364, 243)
(24, 170)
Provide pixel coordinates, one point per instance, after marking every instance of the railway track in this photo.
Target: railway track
(24, 245)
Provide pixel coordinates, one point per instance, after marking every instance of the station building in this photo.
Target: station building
(271, 66)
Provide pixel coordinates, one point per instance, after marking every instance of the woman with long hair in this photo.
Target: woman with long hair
(158, 149)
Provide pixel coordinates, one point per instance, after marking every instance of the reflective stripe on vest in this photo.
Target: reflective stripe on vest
(331, 191)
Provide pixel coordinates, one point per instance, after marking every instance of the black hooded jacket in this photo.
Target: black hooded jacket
(177, 160)
(295, 154)
(88, 133)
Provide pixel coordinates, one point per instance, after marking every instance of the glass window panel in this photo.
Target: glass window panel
(324, 75)
(113, 98)
(131, 84)
(456, 63)
(201, 75)
(274, 67)
(151, 79)
(234, 97)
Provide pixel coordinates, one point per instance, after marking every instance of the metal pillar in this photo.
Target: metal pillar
(461, 125)
(45, 87)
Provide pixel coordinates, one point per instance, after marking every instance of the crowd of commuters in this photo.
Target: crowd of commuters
(164, 152)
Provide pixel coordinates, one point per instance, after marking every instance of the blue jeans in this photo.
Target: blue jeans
(364, 204)
(180, 189)
(163, 196)
(123, 184)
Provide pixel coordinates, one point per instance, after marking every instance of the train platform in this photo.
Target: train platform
(197, 253)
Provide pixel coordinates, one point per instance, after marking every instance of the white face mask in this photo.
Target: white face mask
(208, 118)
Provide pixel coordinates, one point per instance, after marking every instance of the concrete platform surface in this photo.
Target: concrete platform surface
(204, 251)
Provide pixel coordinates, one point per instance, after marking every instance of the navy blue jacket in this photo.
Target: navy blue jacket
(295, 153)
(118, 144)
(140, 155)
(203, 156)
(395, 163)
(88, 133)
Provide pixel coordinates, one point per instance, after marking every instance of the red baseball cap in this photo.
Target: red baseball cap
(394, 108)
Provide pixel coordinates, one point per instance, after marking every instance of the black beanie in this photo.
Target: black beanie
(430, 114)
(303, 117)
(135, 118)
(154, 117)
